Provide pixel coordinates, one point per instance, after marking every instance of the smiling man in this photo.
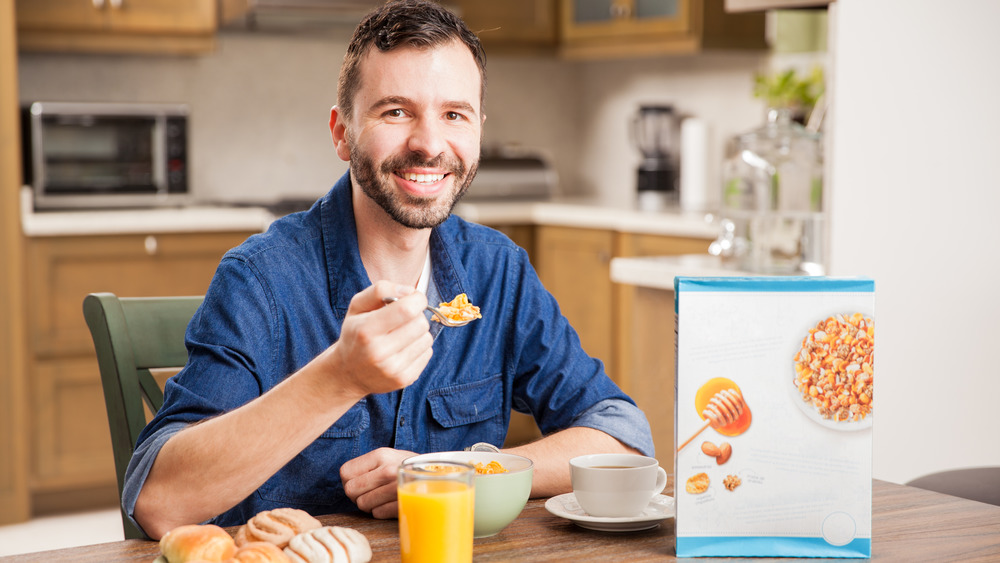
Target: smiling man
(303, 388)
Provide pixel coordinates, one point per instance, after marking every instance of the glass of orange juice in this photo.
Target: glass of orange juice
(436, 504)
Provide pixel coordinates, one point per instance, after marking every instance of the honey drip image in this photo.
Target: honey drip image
(720, 404)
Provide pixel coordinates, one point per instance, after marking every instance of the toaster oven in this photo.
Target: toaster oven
(105, 155)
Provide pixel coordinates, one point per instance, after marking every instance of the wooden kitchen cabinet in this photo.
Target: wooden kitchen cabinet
(615, 28)
(71, 464)
(574, 264)
(131, 26)
(513, 25)
(644, 338)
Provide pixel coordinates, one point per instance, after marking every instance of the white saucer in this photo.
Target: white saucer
(660, 508)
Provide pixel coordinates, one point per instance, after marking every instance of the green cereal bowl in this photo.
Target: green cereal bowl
(500, 497)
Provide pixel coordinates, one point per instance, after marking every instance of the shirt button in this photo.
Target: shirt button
(402, 420)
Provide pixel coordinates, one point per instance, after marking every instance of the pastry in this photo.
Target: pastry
(259, 552)
(196, 542)
(330, 544)
(276, 526)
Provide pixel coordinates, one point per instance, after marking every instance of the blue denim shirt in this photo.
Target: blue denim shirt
(280, 298)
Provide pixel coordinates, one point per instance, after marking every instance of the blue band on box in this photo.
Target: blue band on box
(725, 546)
(774, 283)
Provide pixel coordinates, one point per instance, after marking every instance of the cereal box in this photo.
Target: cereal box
(774, 411)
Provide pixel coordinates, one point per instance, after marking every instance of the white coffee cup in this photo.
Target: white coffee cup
(616, 485)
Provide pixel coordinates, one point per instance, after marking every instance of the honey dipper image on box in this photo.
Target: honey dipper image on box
(720, 403)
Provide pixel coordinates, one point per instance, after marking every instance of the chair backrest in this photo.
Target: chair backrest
(131, 336)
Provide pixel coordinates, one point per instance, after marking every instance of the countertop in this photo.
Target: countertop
(580, 212)
(141, 221)
(658, 272)
(590, 212)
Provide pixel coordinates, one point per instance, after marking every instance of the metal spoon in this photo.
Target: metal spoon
(441, 317)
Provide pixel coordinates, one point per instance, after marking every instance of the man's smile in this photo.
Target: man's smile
(421, 178)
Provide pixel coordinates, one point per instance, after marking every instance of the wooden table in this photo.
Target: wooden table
(908, 525)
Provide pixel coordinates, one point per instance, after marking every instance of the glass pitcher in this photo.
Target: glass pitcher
(772, 199)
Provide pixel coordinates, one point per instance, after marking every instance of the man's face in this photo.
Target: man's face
(415, 134)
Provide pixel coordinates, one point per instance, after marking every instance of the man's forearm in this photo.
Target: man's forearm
(552, 453)
(209, 467)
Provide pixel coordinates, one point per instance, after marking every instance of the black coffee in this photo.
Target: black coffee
(612, 467)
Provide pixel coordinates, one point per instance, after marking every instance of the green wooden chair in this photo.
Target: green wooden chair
(131, 336)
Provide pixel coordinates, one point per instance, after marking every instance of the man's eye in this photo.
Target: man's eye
(394, 113)
(453, 116)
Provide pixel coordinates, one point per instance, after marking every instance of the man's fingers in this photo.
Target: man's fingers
(373, 500)
(358, 466)
(386, 511)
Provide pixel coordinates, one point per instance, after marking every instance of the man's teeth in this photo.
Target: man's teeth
(424, 178)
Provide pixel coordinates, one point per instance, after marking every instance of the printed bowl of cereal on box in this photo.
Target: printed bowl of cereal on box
(834, 370)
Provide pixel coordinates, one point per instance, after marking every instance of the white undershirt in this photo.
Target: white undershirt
(425, 275)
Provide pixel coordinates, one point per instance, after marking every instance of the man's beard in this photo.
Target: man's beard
(405, 209)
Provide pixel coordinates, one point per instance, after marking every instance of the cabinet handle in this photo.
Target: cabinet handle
(152, 245)
(620, 10)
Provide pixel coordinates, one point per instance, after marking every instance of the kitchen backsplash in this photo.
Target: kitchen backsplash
(260, 107)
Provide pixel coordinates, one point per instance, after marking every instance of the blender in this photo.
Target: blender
(655, 132)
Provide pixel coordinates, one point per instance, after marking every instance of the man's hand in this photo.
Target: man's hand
(370, 481)
(382, 348)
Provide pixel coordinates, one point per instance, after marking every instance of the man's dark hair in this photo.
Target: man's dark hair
(411, 23)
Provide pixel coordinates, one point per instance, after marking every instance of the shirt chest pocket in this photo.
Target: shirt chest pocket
(467, 413)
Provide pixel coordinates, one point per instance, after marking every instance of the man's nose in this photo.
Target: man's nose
(427, 138)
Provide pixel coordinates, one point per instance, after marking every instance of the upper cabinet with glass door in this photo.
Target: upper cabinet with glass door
(612, 28)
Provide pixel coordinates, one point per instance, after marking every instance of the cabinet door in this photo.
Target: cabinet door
(69, 439)
(644, 338)
(128, 16)
(71, 444)
(512, 23)
(163, 16)
(79, 15)
(575, 266)
(63, 270)
(607, 19)
(594, 29)
(132, 26)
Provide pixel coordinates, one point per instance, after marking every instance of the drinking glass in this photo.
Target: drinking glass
(436, 511)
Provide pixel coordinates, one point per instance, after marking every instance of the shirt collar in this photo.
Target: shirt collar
(346, 273)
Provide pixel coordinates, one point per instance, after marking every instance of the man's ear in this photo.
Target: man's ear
(338, 130)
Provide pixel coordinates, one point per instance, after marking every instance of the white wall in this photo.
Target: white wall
(260, 106)
(914, 203)
(716, 87)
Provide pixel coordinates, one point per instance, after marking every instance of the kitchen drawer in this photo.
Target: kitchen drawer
(63, 270)
(117, 26)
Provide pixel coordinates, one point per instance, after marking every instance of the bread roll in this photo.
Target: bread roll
(259, 552)
(276, 526)
(330, 544)
(197, 542)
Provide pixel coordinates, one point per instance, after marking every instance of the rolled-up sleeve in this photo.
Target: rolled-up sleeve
(622, 420)
(140, 464)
